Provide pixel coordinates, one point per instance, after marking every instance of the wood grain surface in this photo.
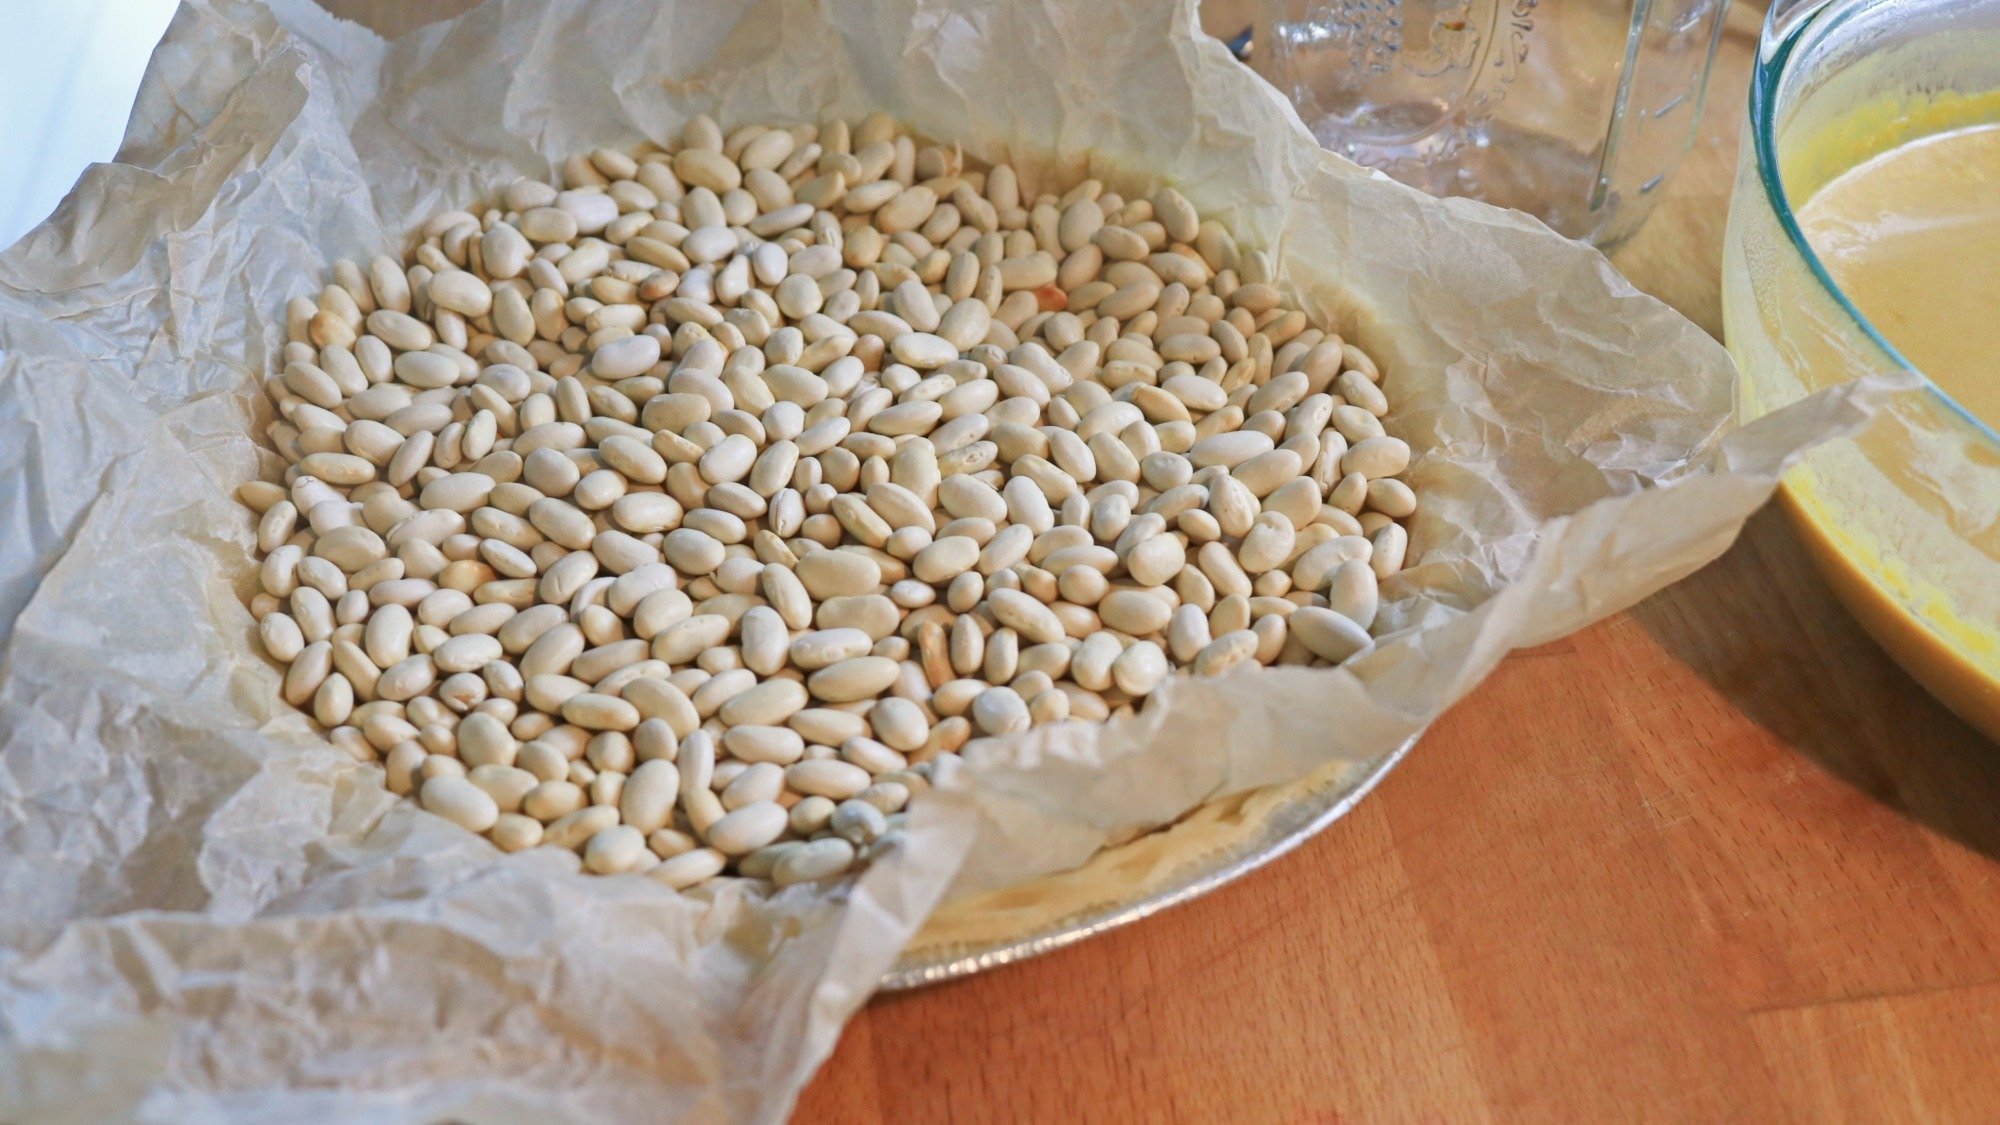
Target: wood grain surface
(1717, 858)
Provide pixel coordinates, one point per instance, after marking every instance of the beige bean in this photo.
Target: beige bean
(827, 777)
(593, 711)
(768, 704)
(826, 647)
(1156, 561)
(1134, 612)
(777, 745)
(461, 802)
(748, 828)
(1187, 633)
(647, 801)
(1000, 710)
(813, 860)
(513, 832)
(616, 849)
(1025, 615)
(1226, 652)
(843, 573)
(1331, 636)
(1392, 498)
(507, 785)
(853, 679)
(574, 829)
(1351, 591)
(689, 868)
(1376, 457)
(1268, 544)
(1390, 544)
(1139, 669)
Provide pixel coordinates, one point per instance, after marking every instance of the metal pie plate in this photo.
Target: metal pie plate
(1284, 826)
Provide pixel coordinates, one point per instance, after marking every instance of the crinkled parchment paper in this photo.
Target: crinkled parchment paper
(206, 912)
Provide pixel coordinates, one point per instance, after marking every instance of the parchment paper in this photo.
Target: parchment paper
(207, 913)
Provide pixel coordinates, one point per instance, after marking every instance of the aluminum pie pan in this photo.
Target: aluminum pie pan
(1280, 829)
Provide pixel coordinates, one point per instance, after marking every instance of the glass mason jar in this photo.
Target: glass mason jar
(1575, 112)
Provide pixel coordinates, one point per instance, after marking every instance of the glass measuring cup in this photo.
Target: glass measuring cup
(1576, 112)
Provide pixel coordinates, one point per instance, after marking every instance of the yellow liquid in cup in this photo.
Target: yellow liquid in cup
(1912, 236)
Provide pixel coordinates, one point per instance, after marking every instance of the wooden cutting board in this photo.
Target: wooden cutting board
(1715, 858)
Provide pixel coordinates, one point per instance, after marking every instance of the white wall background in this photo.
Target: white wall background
(71, 70)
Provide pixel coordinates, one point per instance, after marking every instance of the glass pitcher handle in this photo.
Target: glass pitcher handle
(1657, 110)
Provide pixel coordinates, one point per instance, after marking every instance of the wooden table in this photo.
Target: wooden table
(1714, 858)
